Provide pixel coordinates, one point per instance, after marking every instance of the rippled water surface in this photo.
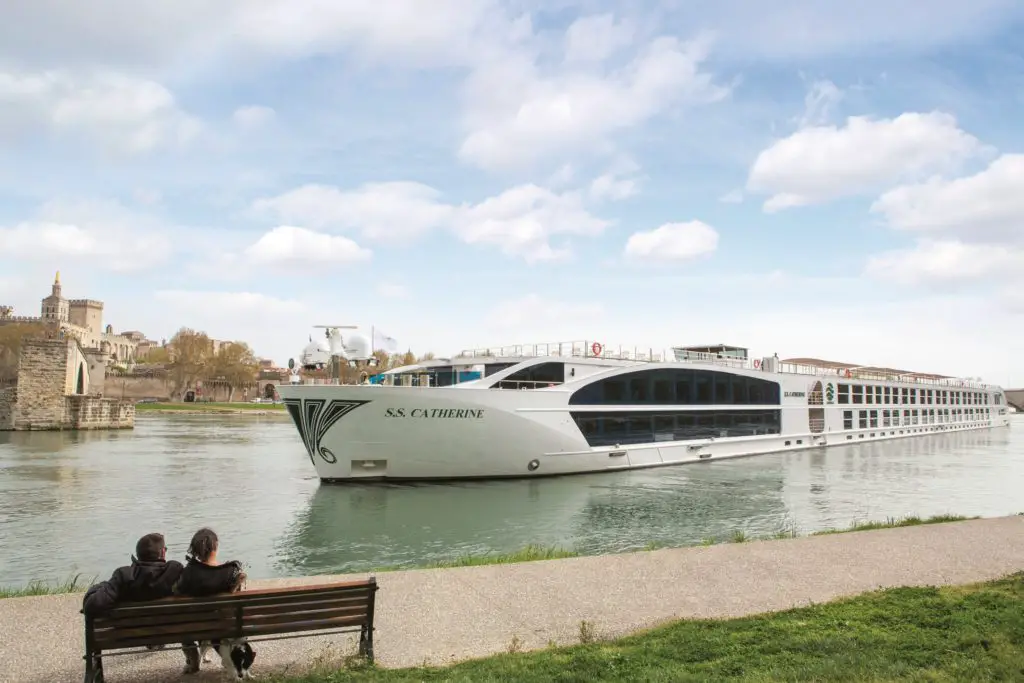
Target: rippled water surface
(77, 501)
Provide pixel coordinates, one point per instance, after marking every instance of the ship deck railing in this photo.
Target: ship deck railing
(586, 349)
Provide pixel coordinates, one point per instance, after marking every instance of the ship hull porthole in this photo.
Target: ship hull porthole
(533, 465)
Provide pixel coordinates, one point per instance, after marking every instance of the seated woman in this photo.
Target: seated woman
(201, 577)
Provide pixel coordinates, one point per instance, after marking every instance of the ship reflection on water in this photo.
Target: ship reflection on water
(357, 528)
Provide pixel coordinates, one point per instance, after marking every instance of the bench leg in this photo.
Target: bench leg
(366, 642)
(93, 669)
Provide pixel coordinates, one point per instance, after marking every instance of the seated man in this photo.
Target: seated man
(150, 576)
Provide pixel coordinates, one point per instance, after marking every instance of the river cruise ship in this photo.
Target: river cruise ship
(575, 407)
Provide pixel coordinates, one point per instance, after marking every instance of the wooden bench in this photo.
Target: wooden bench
(265, 614)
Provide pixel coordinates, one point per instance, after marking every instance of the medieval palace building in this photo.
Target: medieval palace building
(82, 318)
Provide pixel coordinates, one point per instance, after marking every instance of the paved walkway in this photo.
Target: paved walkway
(442, 615)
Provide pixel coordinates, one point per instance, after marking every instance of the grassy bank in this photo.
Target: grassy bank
(533, 553)
(962, 633)
(73, 584)
(530, 553)
(209, 407)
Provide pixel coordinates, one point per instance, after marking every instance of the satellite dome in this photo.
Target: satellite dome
(314, 354)
(357, 346)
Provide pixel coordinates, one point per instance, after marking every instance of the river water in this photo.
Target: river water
(77, 501)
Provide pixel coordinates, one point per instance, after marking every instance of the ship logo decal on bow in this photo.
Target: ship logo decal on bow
(314, 417)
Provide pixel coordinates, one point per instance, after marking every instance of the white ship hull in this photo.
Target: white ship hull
(479, 431)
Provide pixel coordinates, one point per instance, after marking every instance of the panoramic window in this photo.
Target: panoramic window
(863, 419)
(869, 395)
(858, 394)
(658, 386)
(878, 395)
(534, 376)
(844, 393)
(874, 418)
(609, 429)
(847, 419)
(885, 418)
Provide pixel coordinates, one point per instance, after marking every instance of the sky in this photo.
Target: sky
(824, 179)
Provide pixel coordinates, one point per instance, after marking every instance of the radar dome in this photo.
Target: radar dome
(357, 346)
(315, 354)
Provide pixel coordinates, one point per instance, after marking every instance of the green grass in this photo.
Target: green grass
(894, 522)
(530, 553)
(962, 633)
(206, 407)
(72, 584)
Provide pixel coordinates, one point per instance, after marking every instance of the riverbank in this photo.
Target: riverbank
(961, 633)
(531, 553)
(211, 408)
(443, 616)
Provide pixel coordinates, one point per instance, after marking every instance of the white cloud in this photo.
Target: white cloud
(253, 116)
(117, 112)
(986, 206)
(972, 227)
(821, 98)
(534, 115)
(521, 221)
(948, 261)
(732, 197)
(395, 210)
(673, 242)
(194, 33)
(102, 233)
(596, 38)
(818, 164)
(294, 247)
(619, 182)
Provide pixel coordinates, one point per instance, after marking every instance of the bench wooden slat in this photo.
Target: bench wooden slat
(251, 630)
(274, 608)
(225, 626)
(304, 615)
(143, 619)
(162, 639)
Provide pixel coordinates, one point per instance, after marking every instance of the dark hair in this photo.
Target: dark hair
(203, 544)
(150, 547)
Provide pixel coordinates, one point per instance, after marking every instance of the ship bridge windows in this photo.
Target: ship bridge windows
(661, 386)
(533, 377)
(618, 428)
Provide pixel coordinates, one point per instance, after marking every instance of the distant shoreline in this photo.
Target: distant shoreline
(210, 409)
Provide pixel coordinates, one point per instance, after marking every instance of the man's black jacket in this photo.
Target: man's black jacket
(137, 582)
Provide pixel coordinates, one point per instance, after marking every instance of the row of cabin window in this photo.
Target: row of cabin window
(874, 394)
(608, 429)
(869, 418)
(678, 387)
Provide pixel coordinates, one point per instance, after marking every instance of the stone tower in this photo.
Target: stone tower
(55, 308)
